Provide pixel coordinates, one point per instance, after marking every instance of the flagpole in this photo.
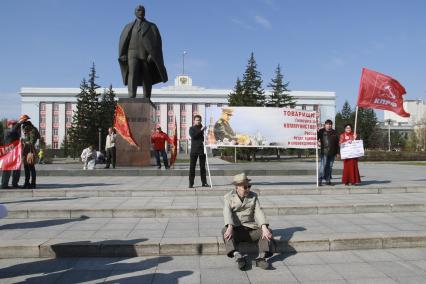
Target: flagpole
(356, 119)
(316, 155)
(207, 161)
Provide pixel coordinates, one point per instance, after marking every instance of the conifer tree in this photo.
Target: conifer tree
(367, 127)
(254, 95)
(86, 120)
(346, 115)
(106, 110)
(236, 98)
(280, 93)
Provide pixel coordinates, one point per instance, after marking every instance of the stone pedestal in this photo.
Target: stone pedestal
(140, 114)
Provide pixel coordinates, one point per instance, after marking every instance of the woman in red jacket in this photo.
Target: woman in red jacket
(350, 166)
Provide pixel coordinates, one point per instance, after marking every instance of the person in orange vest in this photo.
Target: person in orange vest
(158, 139)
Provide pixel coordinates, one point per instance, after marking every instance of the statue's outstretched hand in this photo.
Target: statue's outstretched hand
(123, 58)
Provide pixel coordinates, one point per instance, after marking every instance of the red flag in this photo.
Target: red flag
(122, 126)
(11, 156)
(380, 91)
(174, 146)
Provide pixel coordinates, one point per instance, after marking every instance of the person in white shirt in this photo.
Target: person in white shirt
(110, 148)
(88, 157)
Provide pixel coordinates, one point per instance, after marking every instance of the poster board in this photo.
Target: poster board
(263, 127)
(352, 149)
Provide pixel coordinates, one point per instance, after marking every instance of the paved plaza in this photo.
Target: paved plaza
(361, 266)
(149, 228)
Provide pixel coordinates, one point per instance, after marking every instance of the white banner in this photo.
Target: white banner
(261, 127)
(352, 149)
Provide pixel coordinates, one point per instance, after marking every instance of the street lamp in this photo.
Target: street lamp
(183, 62)
(99, 132)
(389, 121)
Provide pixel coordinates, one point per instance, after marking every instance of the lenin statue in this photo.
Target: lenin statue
(141, 55)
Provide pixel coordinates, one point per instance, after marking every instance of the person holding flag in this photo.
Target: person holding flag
(158, 140)
(12, 136)
(350, 166)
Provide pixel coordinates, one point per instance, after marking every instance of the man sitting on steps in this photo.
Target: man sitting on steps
(246, 222)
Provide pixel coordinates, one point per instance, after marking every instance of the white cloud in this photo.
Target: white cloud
(242, 24)
(262, 21)
(10, 106)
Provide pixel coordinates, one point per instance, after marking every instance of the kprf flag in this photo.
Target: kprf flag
(122, 125)
(174, 145)
(380, 91)
(11, 156)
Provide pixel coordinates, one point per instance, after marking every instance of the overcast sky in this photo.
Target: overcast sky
(320, 45)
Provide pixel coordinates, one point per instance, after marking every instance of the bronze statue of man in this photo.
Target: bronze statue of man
(140, 55)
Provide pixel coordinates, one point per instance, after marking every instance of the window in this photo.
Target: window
(55, 119)
(170, 118)
(219, 105)
(68, 119)
(194, 107)
(55, 131)
(55, 145)
(303, 107)
(182, 119)
(182, 132)
(42, 132)
(316, 107)
(68, 106)
(43, 119)
(43, 106)
(170, 132)
(207, 105)
(182, 107)
(157, 107)
(169, 107)
(55, 106)
(157, 119)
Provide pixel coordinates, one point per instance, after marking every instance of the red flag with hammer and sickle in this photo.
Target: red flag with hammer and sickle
(122, 126)
(380, 91)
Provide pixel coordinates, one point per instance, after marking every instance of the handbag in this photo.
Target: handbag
(30, 158)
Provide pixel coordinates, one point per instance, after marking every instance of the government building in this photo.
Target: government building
(51, 109)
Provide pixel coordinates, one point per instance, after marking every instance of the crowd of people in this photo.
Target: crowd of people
(329, 142)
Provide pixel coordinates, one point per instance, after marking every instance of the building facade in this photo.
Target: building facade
(52, 109)
(416, 109)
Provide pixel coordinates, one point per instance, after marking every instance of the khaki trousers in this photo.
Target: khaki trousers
(245, 234)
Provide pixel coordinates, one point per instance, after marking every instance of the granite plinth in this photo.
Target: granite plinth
(140, 113)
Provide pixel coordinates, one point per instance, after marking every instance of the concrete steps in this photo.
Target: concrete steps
(188, 211)
(201, 191)
(178, 237)
(209, 206)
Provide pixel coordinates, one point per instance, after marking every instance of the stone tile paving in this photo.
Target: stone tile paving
(183, 227)
(365, 266)
(373, 175)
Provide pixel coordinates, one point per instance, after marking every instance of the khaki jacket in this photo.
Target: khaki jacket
(247, 213)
